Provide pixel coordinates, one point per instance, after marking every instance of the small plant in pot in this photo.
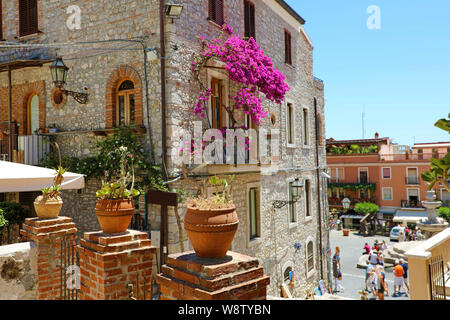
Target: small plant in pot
(211, 222)
(115, 206)
(49, 204)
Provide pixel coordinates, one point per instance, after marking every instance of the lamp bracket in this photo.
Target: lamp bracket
(80, 97)
(278, 204)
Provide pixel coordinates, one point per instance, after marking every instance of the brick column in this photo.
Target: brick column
(47, 236)
(236, 277)
(109, 263)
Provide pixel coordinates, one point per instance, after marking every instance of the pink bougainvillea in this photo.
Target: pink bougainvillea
(246, 65)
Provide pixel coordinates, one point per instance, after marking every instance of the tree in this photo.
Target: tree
(366, 208)
(444, 212)
(440, 168)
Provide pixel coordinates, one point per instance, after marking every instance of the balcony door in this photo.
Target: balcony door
(363, 175)
(33, 115)
(412, 176)
(413, 198)
(125, 104)
(217, 104)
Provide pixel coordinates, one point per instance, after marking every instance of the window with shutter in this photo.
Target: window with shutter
(288, 47)
(216, 11)
(28, 17)
(249, 17)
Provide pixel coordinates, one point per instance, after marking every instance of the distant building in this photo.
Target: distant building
(375, 170)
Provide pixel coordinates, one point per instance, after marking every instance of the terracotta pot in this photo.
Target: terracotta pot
(346, 232)
(211, 232)
(114, 216)
(47, 208)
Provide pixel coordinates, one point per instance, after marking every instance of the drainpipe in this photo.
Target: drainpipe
(10, 113)
(319, 201)
(164, 237)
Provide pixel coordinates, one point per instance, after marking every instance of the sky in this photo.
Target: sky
(396, 72)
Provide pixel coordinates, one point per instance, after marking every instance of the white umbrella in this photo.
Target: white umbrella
(17, 177)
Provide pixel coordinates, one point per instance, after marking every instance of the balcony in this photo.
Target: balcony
(411, 156)
(412, 181)
(353, 201)
(411, 204)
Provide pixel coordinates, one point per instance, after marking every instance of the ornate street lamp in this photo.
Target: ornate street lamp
(59, 75)
(346, 204)
(295, 190)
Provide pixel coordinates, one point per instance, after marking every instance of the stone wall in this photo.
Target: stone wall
(99, 69)
(18, 271)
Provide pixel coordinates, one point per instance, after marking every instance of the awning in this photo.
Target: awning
(16, 177)
(411, 216)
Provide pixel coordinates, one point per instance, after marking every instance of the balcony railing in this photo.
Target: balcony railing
(34, 148)
(412, 181)
(353, 201)
(411, 204)
(411, 156)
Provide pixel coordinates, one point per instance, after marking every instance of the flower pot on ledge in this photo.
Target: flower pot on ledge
(346, 232)
(114, 216)
(47, 208)
(211, 232)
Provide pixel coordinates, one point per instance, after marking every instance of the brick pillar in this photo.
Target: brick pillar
(47, 236)
(109, 263)
(236, 277)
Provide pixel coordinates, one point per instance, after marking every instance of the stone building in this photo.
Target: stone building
(113, 53)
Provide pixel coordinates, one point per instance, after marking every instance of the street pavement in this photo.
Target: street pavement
(353, 278)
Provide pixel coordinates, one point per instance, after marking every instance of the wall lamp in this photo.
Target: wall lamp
(59, 75)
(295, 190)
(174, 10)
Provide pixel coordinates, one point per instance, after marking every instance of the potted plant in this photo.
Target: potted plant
(211, 222)
(49, 204)
(115, 206)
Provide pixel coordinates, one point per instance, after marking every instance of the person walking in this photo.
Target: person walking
(381, 283)
(337, 272)
(368, 266)
(372, 281)
(405, 275)
(398, 279)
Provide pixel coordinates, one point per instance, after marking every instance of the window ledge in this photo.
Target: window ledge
(311, 273)
(308, 219)
(30, 36)
(289, 65)
(293, 225)
(214, 24)
(254, 242)
(291, 146)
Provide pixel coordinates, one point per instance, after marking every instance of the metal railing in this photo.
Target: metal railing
(411, 204)
(34, 148)
(353, 201)
(412, 180)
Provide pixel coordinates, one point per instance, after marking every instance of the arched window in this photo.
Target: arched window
(33, 114)
(287, 274)
(125, 111)
(310, 256)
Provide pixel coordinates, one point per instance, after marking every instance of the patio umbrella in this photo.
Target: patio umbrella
(17, 177)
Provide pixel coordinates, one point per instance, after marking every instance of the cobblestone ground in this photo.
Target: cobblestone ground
(353, 278)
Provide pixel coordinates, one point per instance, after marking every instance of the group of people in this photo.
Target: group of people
(376, 279)
(375, 275)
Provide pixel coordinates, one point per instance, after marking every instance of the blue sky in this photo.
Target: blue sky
(399, 74)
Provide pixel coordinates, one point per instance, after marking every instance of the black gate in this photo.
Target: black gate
(437, 278)
(70, 269)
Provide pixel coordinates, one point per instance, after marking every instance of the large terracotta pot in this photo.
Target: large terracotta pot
(346, 232)
(114, 216)
(211, 231)
(47, 208)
